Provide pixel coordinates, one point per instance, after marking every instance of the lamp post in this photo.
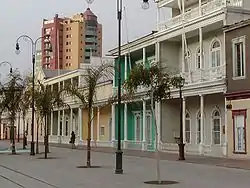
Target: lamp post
(33, 43)
(2, 63)
(181, 144)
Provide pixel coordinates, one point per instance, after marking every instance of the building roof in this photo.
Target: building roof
(53, 73)
(88, 14)
(236, 25)
(135, 42)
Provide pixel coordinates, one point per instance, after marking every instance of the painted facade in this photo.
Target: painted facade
(192, 44)
(238, 89)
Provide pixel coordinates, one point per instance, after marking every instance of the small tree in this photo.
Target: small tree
(158, 83)
(87, 94)
(46, 100)
(11, 94)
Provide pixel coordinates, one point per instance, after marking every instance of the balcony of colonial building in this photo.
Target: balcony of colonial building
(188, 3)
(199, 70)
(210, 12)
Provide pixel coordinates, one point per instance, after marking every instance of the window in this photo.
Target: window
(239, 124)
(239, 53)
(187, 61)
(198, 59)
(188, 128)
(148, 128)
(198, 127)
(102, 130)
(216, 127)
(215, 53)
(138, 127)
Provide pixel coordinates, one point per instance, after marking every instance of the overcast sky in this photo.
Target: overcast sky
(25, 17)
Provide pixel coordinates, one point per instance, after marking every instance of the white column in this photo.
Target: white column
(71, 121)
(98, 124)
(157, 18)
(63, 122)
(200, 12)
(51, 123)
(184, 118)
(58, 123)
(144, 56)
(225, 144)
(144, 143)
(92, 124)
(202, 124)
(125, 122)
(126, 67)
(113, 123)
(80, 123)
(157, 52)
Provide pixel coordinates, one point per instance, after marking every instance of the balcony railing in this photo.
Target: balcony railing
(203, 75)
(206, 9)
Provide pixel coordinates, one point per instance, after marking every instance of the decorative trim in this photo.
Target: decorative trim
(237, 95)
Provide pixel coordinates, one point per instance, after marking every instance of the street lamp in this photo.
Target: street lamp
(33, 43)
(181, 82)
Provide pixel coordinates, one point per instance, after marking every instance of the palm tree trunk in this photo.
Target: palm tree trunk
(89, 138)
(45, 137)
(24, 135)
(157, 156)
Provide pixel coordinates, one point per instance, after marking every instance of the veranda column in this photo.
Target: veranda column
(98, 124)
(225, 144)
(144, 56)
(184, 119)
(51, 117)
(126, 67)
(125, 141)
(144, 142)
(201, 146)
(80, 124)
(58, 126)
(201, 51)
(51, 123)
(113, 126)
(157, 52)
(71, 121)
(63, 122)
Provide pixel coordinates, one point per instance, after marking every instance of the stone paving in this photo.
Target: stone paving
(60, 172)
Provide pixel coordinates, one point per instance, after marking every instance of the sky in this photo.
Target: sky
(20, 17)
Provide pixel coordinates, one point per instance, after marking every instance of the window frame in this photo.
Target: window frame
(213, 51)
(235, 41)
(214, 118)
(234, 114)
(199, 55)
(188, 119)
(136, 115)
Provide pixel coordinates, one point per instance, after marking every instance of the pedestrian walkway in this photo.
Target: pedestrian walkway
(61, 172)
(216, 161)
(5, 147)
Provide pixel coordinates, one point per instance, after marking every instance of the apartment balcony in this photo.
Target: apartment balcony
(208, 8)
(205, 75)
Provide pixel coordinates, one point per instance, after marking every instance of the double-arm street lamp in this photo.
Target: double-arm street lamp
(34, 44)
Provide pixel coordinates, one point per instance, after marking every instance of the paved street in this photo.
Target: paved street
(60, 171)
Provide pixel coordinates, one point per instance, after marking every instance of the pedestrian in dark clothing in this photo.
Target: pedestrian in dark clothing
(73, 139)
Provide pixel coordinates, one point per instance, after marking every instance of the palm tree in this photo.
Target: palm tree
(158, 83)
(87, 94)
(46, 100)
(11, 94)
